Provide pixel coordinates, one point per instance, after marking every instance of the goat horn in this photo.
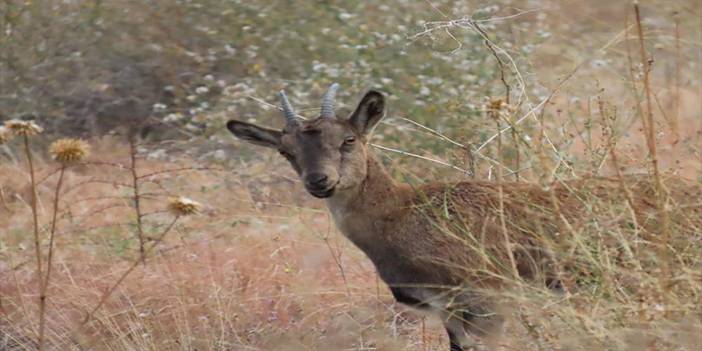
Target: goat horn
(328, 101)
(288, 113)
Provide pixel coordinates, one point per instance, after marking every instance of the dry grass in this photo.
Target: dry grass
(244, 274)
(262, 267)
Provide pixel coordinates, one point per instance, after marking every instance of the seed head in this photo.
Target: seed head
(5, 135)
(68, 150)
(182, 206)
(23, 128)
(496, 104)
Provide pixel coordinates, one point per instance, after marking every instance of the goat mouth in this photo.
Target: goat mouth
(323, 193)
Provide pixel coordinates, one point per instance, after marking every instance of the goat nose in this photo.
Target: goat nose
(316, 180)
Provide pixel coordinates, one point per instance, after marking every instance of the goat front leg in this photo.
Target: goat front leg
(459, 339)
(473, 329)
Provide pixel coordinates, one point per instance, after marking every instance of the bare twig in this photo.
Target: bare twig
(678, 81)
(37, 241)
(405, 153)
(137, 197)
(501, 65)
(124, 275)
(431, 131)
(180, 169)
(653, 153)
(44, 281)
(2, 199)
(96, 181)
(35, 215)
(269, 105)
(495, 115)
(336, 255)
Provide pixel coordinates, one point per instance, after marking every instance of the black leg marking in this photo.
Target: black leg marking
(470, 320)
(452, 340)
(555, 284)
(402, 296)
(481, 323)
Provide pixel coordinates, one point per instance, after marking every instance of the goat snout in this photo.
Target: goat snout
(317, 181)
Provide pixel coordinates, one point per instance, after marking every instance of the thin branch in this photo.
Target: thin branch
(501, 65)
(535, 108)
(124, 275)
(181, 169)
(431, 131)
(269, 105)
(44, 281)
(653, 153)
(405, 153)
(96, 181)
(137, 197)
(434, 132)
(35, 215)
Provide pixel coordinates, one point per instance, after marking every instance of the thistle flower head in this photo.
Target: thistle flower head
(68, 150)
(496, 103)
(497, 106)
(23, 128)
(182, 206)
(5, 135)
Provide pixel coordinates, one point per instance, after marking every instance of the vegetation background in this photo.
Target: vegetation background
(150, 84)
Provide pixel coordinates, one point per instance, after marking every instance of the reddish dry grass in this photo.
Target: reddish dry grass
(245, 274)
(254, 270)
(260, 268)
(257, 269)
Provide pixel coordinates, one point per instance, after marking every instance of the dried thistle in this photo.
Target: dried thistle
(497, 107)
(182, 206)
(68, 150)
(496, 104)
(494, 107)
(5, 135)
(23, 128)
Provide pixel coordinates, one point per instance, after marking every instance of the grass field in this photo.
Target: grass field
(261, 266)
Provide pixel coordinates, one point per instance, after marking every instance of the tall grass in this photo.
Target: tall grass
(90, 256)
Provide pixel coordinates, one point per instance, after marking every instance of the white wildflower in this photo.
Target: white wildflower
(159, 107)
(172, 117)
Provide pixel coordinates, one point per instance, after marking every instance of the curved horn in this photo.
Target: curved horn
(328, 101)
(288, 113)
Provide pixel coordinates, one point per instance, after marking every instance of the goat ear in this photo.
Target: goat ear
(369, 112)
(255, 134)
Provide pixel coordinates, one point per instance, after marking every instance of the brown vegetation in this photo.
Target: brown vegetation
(260, 266)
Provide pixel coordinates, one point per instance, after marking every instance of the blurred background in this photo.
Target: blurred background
(179, 69)
(166, 75)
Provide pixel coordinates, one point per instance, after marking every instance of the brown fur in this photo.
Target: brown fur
(440, 246)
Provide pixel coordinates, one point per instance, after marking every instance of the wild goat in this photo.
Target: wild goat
(438, 246)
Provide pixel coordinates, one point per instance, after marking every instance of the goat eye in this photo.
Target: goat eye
(349, 140)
